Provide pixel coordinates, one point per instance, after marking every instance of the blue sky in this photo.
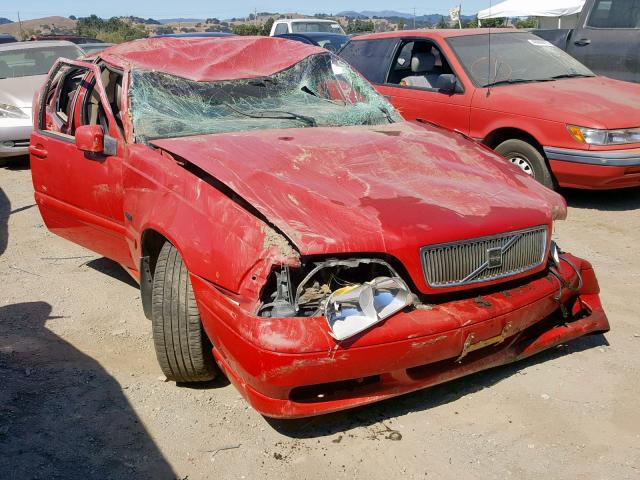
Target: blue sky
(201, 8)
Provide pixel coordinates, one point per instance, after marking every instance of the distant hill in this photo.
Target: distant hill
(430, 19)
(44, 25)
(4, 21)
(165, 21)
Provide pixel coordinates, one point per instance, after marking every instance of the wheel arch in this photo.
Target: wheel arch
(499, 135)
(151, 242)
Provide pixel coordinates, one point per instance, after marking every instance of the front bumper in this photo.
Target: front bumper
(292, 368)
(595, 169)
(14, 136)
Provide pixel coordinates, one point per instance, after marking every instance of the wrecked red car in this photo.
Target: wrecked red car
(285, 224)
(516, 93)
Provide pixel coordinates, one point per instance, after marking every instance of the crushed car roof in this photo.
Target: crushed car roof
(210, 59)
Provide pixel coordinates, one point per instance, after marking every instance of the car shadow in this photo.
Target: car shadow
(61, 414)
(376, 414)
(604, 200)
(16, 163)
(112, 269)
(5, 211)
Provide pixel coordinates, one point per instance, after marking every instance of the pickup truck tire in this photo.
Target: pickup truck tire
(182, 347)
(528, 158)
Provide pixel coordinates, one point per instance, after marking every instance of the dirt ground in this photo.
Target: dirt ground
(81, 395)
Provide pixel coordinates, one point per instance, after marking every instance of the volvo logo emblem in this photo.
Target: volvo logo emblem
(494, 257)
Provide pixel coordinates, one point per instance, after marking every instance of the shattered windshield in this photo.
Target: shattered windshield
(321, 90)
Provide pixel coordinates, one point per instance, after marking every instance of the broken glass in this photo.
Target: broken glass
(321, 90)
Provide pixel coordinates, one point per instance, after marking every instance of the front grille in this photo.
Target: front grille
(484, 259)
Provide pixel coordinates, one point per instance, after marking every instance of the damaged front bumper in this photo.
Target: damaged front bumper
(292, 367)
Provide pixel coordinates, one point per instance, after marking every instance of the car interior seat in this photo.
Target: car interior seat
(423, 68)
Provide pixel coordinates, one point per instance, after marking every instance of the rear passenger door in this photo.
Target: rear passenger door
(80, 194)
(608, 40)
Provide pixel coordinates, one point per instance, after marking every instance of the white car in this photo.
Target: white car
(305, 25)
(23, 69)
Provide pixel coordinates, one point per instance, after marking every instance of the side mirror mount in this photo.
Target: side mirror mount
(448, 83)
(90, 138)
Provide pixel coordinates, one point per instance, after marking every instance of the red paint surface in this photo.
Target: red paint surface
(374, 190)
(210, 59)
(541, 110)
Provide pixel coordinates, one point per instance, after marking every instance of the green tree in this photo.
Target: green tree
(401, 24)
(360, 26)
(246, 29)
(442, 23)
(266, 27)
(493, 22)
(113, 30)
(529, 22)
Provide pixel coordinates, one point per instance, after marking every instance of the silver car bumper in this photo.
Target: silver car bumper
(14, 136)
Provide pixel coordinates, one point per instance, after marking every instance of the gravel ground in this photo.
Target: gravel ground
(81, 395)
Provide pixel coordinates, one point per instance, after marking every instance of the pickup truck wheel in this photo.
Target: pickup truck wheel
(182, 347)
(526, 157)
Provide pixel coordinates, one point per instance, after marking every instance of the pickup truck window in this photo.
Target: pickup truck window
(281, 28)
(615, 14)
(514, 58)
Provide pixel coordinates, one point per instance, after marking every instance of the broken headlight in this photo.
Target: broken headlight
(353, 294)
(352, 309)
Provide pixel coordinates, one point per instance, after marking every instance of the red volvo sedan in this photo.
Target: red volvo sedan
(530, 101)
(286, 224)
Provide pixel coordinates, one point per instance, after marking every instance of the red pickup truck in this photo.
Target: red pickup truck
(516, 93)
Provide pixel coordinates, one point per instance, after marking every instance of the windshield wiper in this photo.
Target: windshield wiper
(267, 114)
(386, 113)
(509, 81)
(571, 75)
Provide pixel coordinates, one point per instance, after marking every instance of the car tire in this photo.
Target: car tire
(182, 347)
(528, 158)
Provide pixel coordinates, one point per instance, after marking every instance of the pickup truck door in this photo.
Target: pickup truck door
(79, 194)
(427, 103)
(607, 38)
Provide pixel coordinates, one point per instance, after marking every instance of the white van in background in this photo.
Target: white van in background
(304, 25)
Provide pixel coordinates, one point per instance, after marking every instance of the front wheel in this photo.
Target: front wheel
(528, 158)
(182, 347)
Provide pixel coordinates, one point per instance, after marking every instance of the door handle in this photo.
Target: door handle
(38, 151)
(582, 42)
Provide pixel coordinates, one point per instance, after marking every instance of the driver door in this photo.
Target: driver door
(449, 110)
(79, 193)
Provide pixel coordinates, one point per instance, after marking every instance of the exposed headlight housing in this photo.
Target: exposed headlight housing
(352, 309)
(11, 111)
(594, 136)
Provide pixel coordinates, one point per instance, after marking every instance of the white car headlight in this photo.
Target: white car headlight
(594, 136)
(11, 111)
(352, 309)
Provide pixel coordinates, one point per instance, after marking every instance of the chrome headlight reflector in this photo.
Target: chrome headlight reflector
(594, 136)
(352, 309)
(11, 111)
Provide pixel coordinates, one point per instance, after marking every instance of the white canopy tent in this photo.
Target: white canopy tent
(526, 8)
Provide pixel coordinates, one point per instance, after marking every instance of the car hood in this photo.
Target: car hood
(391, 188)
(19, 91)
(596, 102)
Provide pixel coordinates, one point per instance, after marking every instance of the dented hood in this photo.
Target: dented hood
(389, 188)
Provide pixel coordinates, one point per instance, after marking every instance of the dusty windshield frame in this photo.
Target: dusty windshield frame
(320, 90)
(523, 45)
